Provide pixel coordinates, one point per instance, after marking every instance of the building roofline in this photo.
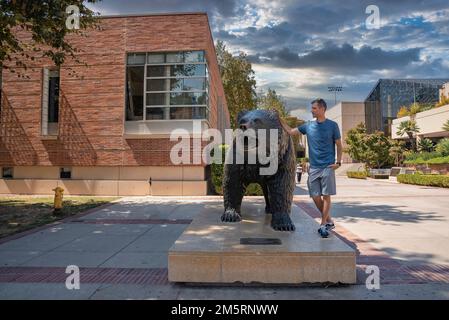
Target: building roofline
(401, 79)
(134, 15)
(372, 90)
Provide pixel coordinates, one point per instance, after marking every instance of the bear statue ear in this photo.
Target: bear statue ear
(241, 114)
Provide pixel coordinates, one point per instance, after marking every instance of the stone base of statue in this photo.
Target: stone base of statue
(250, 251)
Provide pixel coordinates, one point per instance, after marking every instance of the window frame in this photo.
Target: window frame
(167, 93)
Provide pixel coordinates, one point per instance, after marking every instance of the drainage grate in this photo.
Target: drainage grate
(260, 241)
(153, 276)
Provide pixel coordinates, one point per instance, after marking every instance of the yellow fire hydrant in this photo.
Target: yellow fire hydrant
(58, 199)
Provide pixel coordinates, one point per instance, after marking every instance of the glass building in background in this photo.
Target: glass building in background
(389, 95)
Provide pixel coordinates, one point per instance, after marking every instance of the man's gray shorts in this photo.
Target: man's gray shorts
(321, 182)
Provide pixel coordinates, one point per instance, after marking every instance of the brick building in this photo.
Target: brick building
(103, 127)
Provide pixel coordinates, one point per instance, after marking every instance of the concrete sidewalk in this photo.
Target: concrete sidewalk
(122, 253)
(410, 223)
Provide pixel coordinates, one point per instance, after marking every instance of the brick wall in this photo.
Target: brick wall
(91, 120)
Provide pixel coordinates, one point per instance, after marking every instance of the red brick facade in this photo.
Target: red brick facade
(91, 114)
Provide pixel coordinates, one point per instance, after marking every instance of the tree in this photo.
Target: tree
(46, 22)
(375, 150)
(238, 81)
(408, 127)
(355, 143)
(403, 112)
(397, 152)
(446, 126)
(378, 147)
(425, 145)
(414, 108)
(294, 123)
(271, 100)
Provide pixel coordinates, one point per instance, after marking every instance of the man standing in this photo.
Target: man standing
(322, 136)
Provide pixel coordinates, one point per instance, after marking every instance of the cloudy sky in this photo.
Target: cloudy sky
(300, 47)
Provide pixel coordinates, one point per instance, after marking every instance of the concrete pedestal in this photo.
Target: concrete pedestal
(209, 251)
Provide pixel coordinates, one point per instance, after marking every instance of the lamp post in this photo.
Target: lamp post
(335, 89)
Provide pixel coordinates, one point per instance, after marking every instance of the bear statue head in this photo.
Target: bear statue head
(255, 130)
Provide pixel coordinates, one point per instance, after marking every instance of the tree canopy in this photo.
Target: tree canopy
(46, 22)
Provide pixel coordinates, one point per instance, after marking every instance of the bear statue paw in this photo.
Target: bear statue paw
(230, 215)
(282, 222)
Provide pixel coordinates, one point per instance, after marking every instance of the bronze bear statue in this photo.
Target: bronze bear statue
(277, 187)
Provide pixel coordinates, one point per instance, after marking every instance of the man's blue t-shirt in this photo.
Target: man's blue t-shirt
(321, 138)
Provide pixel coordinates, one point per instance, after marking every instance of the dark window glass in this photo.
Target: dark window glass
(187, 98)
(155, 113)
(156, 85)
(7, 173)
(193, 84)
(53, 96)
(156, 71)
(188, 70)
(155, 99)
(134, 93)
(65, 173)
(187, 113)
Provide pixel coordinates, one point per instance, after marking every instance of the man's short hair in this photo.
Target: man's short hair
(321, 102)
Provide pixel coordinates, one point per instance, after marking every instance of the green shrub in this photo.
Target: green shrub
(422, 156)
(217, 177)
(439, 160)
(443, 147)
(435, 157)
(356, 174)
(217, 169)
(425, 180)
(254, 189)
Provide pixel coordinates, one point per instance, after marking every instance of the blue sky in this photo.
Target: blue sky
(299, 48)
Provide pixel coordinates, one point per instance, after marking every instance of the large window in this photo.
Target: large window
(165, 86)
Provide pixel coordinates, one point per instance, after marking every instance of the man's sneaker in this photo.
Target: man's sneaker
(330, 226)
(323, 232)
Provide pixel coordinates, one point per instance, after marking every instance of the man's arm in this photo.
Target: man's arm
(339, 154)
(291, 131)
(339, 150)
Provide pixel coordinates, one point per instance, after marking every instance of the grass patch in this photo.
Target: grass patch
(20, 213)
(356, 174)
(425, 180)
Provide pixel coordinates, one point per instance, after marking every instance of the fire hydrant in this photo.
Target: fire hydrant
(58, 199)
